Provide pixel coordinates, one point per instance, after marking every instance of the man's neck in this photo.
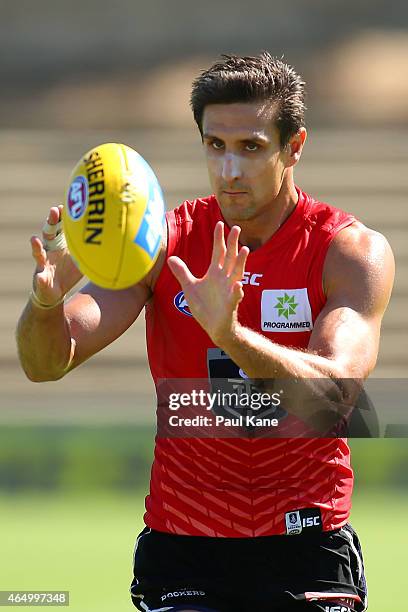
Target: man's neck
(255, 232)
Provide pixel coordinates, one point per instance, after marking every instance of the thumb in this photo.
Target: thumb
(181, 271)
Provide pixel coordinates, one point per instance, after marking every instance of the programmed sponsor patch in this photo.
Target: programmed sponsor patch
(286, 310)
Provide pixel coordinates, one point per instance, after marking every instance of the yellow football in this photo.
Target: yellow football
(113, 216)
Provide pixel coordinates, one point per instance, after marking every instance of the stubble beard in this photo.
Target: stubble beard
(236, 211)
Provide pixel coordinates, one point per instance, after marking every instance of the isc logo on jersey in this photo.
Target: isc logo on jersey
(307, 518)
(286, 310)
(251, 279)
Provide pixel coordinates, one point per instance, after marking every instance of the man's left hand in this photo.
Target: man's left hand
(214, 298)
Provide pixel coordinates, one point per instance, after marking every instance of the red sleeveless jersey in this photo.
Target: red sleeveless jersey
(244, 487)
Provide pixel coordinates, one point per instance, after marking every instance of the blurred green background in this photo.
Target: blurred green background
(75, 455)
(72, 502)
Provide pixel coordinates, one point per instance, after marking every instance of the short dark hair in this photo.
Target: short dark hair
(253, 78)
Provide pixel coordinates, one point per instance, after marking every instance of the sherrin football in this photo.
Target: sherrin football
(113, 216)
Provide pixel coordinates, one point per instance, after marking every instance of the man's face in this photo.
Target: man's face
(245, 162)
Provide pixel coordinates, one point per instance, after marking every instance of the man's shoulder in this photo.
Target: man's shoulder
(180, 217)
(360, 256)
(191, 218)
(326, 216)
(358, 241)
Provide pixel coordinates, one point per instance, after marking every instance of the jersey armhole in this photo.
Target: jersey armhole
(323, 248)
(173, 230)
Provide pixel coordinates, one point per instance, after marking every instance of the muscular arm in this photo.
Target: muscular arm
(92, 319)
(54, 341)
(358, 278)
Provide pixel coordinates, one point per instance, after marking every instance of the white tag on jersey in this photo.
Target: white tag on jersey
(286, 310)
(293, 523)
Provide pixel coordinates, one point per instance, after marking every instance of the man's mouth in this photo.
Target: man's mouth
(234, 193)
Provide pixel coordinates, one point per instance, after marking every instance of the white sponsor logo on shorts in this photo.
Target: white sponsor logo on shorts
(181, 594)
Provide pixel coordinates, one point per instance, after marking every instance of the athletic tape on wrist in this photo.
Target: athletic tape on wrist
(37, 302)
(55, 244)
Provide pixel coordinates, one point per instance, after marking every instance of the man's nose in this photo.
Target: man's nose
(231, 168)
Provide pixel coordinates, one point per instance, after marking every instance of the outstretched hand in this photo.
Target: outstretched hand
(214, 298)
(56, 272)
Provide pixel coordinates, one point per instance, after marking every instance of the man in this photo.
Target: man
(277, 285)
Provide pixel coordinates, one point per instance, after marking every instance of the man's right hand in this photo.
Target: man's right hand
(56, 272)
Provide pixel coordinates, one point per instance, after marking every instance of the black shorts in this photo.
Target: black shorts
(320, 571)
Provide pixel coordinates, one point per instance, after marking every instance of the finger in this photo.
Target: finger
(237, 273)
(219, 248)
(237, 292)
(54, 214)
(181, 272)
(232, 249)
(38, 252)
(53, 219)
(52, 233)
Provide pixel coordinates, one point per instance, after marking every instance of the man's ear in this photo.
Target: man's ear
(293, 148)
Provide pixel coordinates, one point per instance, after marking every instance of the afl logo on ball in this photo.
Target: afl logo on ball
(180, 303)
(77, 197)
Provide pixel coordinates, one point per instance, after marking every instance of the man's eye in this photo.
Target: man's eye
(251, 146)
(217, 144)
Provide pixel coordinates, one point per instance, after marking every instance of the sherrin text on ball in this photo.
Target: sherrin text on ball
(113, 216)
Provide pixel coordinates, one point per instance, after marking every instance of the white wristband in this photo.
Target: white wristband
(37, 302)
